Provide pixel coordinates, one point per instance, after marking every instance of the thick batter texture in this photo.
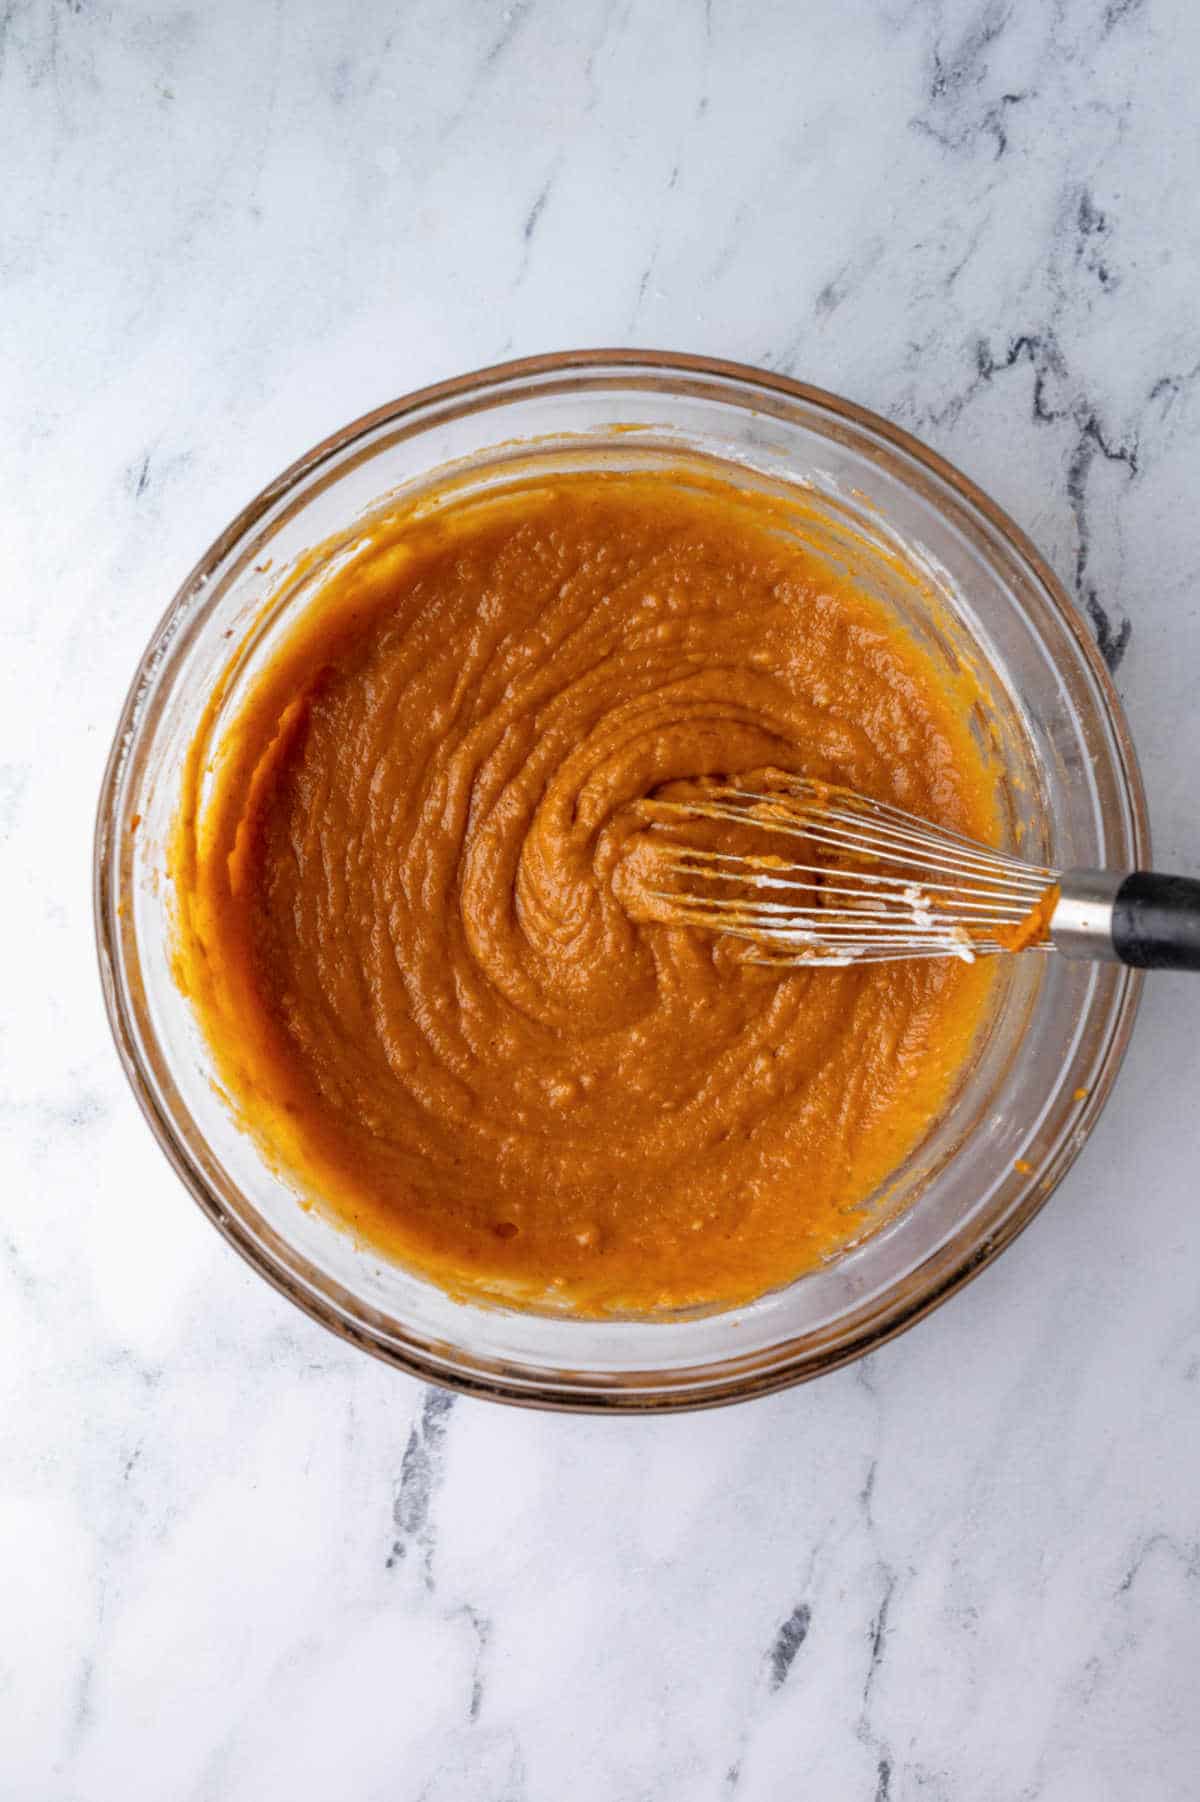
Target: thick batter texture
(404, 887)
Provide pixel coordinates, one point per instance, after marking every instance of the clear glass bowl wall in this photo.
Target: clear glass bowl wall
(1057, 1031)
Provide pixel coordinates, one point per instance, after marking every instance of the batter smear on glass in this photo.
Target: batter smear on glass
(406, 891)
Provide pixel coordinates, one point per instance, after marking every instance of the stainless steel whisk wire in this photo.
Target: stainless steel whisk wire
(897, 887)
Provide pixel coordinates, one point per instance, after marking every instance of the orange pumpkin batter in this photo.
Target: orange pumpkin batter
(399, 896)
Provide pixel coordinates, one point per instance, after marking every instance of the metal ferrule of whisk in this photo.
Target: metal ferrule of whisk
(842, 879)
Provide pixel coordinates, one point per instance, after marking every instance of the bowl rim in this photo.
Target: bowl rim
(721, 1389)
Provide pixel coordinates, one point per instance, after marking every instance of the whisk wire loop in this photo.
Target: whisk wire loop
(893, 886)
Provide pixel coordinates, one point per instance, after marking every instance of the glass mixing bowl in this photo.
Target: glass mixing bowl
(969, 584)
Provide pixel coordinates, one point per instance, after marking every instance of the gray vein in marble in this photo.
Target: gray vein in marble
(514, 16)
(1043, 353)
(787, 1642)
(879, 1633)
(990, 123)
(420, 1474)
(1170, 388)
(725, 255)
(512, 19)
(598, 42)
(866, 1730)
(1185, 1556)
(533, 219)
(1119, 10)
(1093, 228)
(82, 1711)
(647, 273)
(867, 1491)
(849, 277)
(949, 117)
(1113, 641)
(20, 1268)
(482, 1629)
(964, 65)
(153, 471)
(536, 210)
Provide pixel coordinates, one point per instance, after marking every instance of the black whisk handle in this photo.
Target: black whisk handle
(1156, 921)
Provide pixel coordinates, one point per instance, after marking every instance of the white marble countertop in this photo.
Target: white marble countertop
(238, 1560)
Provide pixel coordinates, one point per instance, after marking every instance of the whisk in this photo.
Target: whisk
(869, 883)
